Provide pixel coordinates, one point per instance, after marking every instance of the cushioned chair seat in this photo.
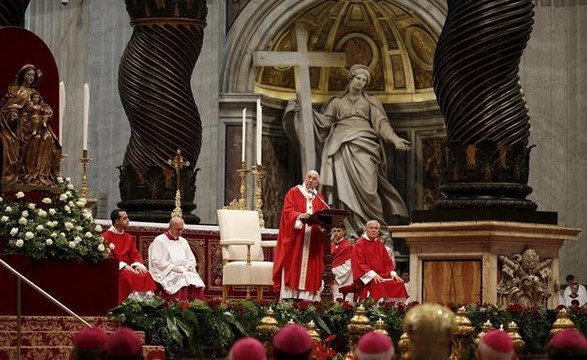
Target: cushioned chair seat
(239, 273)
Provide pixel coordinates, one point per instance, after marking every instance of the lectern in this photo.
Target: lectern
(328, 218)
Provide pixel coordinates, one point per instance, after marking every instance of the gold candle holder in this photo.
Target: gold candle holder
(241, 203)
(381, 327)
(267, 328)
(485, 328)
(242, 173)
(358, 325)
(84, 188)
(519, 344)
(562, 322)
(404, 346)
(314, 335)
(464, 328)
(259, 174)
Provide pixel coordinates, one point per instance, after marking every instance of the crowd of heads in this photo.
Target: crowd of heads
(95, 344)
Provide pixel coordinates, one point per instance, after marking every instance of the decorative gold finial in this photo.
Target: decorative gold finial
(485, 328)
(462, 335)
(358, 325)
(178, 163)
(519, 344)
(404, 346)
(381, 327)
(562, 322)
(314, 335)
(267, 328)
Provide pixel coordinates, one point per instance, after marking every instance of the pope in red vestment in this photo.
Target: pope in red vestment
(373, 270)
(133, 275)
(298, 263)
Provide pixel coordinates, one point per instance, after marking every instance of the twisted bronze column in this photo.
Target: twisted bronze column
(477, 86)
(12, 12)
(154, 85)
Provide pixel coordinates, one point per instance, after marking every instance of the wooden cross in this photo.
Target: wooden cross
(302, 60)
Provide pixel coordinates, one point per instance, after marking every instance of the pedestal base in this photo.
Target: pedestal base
(461, 261)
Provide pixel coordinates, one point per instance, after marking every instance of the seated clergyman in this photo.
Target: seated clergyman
(373, 270)
(173, 265)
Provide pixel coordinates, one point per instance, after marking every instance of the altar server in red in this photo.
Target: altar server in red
(341, 249)
(373, 270)
(133, 275)
(299, 264)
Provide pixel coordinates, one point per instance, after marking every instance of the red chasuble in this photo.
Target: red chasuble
(340, 253)
(372, 255)
(126, 251)
(289, 254)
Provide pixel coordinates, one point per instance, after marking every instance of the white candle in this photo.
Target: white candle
(61, 110)
(86, 116)
(243, 142)
(259, 131)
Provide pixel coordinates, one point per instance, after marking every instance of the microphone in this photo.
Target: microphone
(315, 193)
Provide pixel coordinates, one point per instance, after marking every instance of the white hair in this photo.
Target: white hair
(313, 172)
(484, 352)
(372, 222)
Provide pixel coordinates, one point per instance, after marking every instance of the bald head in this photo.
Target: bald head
(176, 226)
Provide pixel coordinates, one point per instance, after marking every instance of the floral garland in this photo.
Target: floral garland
(58, 227)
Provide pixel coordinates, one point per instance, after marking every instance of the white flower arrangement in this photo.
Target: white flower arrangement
(57, 226)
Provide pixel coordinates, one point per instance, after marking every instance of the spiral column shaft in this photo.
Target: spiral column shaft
(478, 90)
(154, 85)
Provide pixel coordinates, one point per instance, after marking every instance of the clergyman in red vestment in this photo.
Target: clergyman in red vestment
(133, 275)
(373, 270)
(298, 263)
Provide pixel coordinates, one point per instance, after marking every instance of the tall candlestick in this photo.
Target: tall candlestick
(61, 110)
(244, 138)
(86, 116)
(259, 130)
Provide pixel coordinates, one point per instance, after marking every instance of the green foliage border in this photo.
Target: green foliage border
(207, 329)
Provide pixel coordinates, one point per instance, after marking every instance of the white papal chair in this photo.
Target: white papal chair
(242, 252)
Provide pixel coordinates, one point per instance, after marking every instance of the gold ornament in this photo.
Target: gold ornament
(314, 335)
(268, 327)
(487, 327)
(461, 335)
(358, 325)
(381, 327)
(519, 343)
(562, 322)
(404, 346)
